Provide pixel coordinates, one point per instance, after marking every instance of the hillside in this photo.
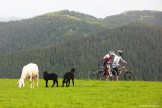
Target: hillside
(62, 40)
(45, 30)
(149, 17)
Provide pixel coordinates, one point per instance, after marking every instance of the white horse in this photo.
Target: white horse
(29, 71)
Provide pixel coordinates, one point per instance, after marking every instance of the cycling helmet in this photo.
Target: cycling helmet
(119, 52)
(112, 53)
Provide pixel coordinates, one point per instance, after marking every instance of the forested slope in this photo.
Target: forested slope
(140, 42)
(45, 30)
(61, 40)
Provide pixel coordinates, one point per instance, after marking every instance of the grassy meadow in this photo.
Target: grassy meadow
(85, 94)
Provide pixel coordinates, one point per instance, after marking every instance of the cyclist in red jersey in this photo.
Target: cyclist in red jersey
(106, 63)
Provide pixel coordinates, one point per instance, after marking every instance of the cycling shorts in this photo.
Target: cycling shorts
(117, 71)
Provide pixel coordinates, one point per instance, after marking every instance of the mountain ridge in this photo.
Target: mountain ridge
(7, 19)
(150, 17)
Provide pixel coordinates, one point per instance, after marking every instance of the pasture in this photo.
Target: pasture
(85, 94)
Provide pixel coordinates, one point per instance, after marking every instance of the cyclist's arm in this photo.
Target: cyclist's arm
(123, 60)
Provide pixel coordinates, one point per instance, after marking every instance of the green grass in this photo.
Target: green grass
(85, 94)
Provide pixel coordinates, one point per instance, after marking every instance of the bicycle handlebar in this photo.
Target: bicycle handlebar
(123, 64)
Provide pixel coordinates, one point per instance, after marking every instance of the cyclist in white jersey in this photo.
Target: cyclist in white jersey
(115, 64)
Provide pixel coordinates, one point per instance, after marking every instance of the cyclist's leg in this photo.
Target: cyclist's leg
(108, 75)
(108, 72)
(123, 67)
(117, 72)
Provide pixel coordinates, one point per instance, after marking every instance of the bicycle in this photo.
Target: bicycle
(97, 74)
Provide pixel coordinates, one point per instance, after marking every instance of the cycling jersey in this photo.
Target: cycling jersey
(116, 61)
(108, 57)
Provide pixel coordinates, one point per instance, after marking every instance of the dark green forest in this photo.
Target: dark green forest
(61, 40)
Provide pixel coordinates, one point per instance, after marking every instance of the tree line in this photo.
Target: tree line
(140, 42)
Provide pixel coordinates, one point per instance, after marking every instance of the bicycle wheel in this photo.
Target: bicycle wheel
(129, 76)
(93, 75)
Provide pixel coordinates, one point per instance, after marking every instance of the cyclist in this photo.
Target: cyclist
(116, 65)
(106, 63)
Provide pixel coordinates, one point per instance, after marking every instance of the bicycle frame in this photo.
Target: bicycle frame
(125, 72)
(120, 68)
